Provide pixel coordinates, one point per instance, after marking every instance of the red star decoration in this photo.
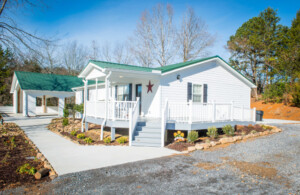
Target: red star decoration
(149, 87)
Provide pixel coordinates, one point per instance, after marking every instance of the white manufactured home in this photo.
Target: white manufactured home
(185, 96)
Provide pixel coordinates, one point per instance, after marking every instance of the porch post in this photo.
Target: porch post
(84, 105)
(243, 113)
(190, 112)
(44, 103)
(213, 111)
(231, 109)
(254, 114)
(96, 99)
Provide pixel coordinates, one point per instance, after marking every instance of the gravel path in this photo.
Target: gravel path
(269, 164)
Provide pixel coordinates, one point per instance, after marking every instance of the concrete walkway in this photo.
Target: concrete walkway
(277, 121)
(68, 157)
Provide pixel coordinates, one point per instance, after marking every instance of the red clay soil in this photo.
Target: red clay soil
(12, 157)
(277, 110)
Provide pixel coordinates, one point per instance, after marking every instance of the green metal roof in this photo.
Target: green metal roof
(163, 69)
(47, 82)
(103, 64)
(171, 67)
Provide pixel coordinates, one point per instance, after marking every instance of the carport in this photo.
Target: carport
(27, 87)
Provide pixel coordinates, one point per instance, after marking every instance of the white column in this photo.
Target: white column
(190, 111)
(15, 102)
(61, 106)
(85, 102)
(231, 109)
(213, 111)
(254, 115)
(25, 104)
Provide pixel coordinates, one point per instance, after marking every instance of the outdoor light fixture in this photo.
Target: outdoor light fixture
(178, 77)
(121, 76)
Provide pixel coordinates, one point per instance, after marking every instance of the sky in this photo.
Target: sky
(115, 20)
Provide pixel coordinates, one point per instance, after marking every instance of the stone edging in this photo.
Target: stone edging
(233, 139)
(40, 156)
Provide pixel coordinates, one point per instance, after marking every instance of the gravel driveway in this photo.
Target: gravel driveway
(265, 165)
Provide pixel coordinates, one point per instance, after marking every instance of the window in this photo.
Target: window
(197, 93)
(123, 92)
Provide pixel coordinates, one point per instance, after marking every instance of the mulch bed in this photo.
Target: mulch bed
(93, 132)
(14, 154)
(239, 130)
(179, 146)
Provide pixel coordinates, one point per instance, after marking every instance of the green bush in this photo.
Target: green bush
(253, 132)
(107, 140)
(267, 127)
(192, 136)
(66, 112)
(74, 132)
(122, 140)
(88, 140)
(78, 108)
(274, 92)
(296, 95)
(81, 136)
(27, 169)
(212, 132)
(65, 122)
(228, 130)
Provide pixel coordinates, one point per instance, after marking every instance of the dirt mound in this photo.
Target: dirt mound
(277, 110)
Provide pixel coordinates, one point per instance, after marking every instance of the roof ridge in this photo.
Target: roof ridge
(44, 73)
(121, 64)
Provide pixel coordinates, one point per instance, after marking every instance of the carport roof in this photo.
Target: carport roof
(47, 82)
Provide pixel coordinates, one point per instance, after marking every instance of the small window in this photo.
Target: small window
(197, 93)
(123, 92)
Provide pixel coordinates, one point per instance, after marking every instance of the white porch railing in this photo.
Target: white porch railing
(208, 112)
(117, 110)
(133, 119)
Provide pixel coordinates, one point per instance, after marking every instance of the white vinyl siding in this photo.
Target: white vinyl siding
(222, 85)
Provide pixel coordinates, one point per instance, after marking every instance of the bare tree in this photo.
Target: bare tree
(50, 57)
(118, 53)
(11, 35)
(193, 38)
(94, 50)
(74, 57)
(154, 36)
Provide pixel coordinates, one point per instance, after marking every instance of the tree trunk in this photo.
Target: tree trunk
(41, 173)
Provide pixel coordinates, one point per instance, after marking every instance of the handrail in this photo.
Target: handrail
(164, 118)
(133, 119)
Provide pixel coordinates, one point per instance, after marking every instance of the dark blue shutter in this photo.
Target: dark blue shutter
(205, 93)
(189, 91)
(116, 92)
(130, 92)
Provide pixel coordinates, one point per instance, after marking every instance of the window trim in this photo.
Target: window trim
(202, 94)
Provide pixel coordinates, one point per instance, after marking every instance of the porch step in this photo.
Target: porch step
(148, 134)
(145, 144)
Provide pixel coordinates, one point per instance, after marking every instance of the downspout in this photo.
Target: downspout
(106, 104)
(84, 104)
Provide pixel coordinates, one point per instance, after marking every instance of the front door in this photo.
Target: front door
(138, 93)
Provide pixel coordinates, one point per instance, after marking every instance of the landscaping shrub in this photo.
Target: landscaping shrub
(192, 136)
(74, 132)
(253, 132)
(66, 113)
(81, 136)
(122, 140)
(266, 127)
(78, 108)
(228, 130)
(212, 132)
(27, 169)
(107, 140)
(88, 140)
(65, 122)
